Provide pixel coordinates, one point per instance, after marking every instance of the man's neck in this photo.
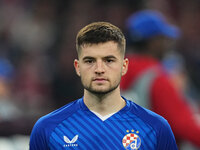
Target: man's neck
(104, 104)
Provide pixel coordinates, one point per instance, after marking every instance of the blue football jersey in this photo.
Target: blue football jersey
(75, 127)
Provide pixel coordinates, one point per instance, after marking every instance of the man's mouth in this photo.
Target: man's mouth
(100, 79)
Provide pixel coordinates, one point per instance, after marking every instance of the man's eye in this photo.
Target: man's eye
(109, 60)
(89, 61)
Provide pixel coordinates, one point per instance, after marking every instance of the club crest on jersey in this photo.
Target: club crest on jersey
(131, 141)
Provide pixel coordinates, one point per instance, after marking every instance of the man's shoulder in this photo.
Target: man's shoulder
(45, 125)
(55, 117)
(149, 117)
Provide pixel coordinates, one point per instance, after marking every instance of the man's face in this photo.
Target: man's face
(100, 67)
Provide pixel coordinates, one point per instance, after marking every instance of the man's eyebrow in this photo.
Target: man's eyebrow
(106, 57)
(88, 57)
(110, 56)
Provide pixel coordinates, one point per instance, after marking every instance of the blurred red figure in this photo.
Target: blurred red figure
(147, 83)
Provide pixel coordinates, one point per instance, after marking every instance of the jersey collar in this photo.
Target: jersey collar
(124, 109)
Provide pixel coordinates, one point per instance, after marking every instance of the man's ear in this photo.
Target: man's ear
(76, 66)
(125, 66)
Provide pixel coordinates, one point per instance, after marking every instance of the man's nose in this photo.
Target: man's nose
(100, 68)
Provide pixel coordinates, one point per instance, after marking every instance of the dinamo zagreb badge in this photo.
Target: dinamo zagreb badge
(131, 141)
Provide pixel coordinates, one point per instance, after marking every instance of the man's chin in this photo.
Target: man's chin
(100, 91)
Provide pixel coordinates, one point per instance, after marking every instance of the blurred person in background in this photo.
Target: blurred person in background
(147, 83)
(7, 106)
(175, 67)
(13, 120)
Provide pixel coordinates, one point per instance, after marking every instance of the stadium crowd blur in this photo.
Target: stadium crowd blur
(37, 49)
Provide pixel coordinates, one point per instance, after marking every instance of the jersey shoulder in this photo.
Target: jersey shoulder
(164, 134)
(149, 117)
(51, 120)
(39, 138)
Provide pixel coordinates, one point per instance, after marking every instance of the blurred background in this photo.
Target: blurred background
(37, 49)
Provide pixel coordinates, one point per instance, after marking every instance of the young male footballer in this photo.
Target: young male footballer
(102, 119)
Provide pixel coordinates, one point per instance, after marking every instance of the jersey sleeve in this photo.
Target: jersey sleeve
(165, 137)
(38, 138)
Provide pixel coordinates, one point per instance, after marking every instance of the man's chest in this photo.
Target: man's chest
(100, 135)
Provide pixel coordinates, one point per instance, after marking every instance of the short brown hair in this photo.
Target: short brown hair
(100, 32)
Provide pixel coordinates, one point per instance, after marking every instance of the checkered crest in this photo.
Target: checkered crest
(131, 141)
